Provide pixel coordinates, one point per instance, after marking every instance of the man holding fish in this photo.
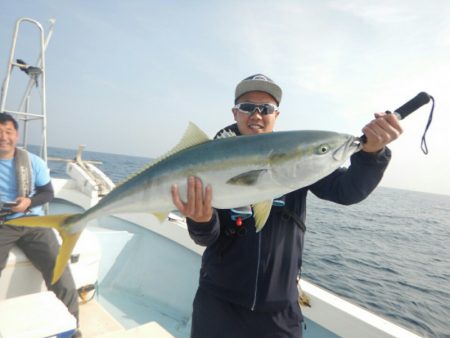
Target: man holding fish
(248, 278)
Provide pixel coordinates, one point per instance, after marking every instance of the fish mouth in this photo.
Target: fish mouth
(353, 145)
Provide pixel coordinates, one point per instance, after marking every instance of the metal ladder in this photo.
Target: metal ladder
(36, 75)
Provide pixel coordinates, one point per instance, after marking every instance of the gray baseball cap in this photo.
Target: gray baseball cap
(258, 82)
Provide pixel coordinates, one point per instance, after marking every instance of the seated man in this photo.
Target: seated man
(25, 186)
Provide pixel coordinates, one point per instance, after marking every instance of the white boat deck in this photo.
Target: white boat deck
(96, 321)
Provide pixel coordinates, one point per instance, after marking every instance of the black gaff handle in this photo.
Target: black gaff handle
(412, 105)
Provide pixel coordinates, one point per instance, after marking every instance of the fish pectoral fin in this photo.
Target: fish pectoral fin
(261, 213)
(247, 178)
(161, 216)
(58, 222)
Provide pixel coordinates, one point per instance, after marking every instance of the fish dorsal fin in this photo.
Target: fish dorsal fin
(192, 136)
(225, 133)
(261, 211)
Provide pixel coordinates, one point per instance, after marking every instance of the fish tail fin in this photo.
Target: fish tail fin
(65, 251)
(60, 223)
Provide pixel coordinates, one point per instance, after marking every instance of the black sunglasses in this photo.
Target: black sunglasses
(250, 108)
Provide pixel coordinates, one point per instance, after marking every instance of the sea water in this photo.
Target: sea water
(389, 254)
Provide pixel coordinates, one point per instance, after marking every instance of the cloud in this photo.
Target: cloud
(377, 12)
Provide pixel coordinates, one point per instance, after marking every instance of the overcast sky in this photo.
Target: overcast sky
(126, 77)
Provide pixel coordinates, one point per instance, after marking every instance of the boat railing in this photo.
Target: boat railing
(36, 81)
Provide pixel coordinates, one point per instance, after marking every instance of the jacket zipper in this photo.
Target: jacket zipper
(257, 272)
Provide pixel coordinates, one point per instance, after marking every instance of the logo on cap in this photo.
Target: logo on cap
(259, 77)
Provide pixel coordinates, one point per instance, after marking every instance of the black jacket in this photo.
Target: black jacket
(259, 270)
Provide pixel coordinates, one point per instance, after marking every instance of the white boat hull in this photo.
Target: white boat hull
(148, 273)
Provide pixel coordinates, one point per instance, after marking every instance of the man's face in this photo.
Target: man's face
(255, 123)
(8, 140)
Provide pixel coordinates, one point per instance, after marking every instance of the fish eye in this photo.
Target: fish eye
(323, 149)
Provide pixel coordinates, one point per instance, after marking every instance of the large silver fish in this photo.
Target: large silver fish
(244, 170)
